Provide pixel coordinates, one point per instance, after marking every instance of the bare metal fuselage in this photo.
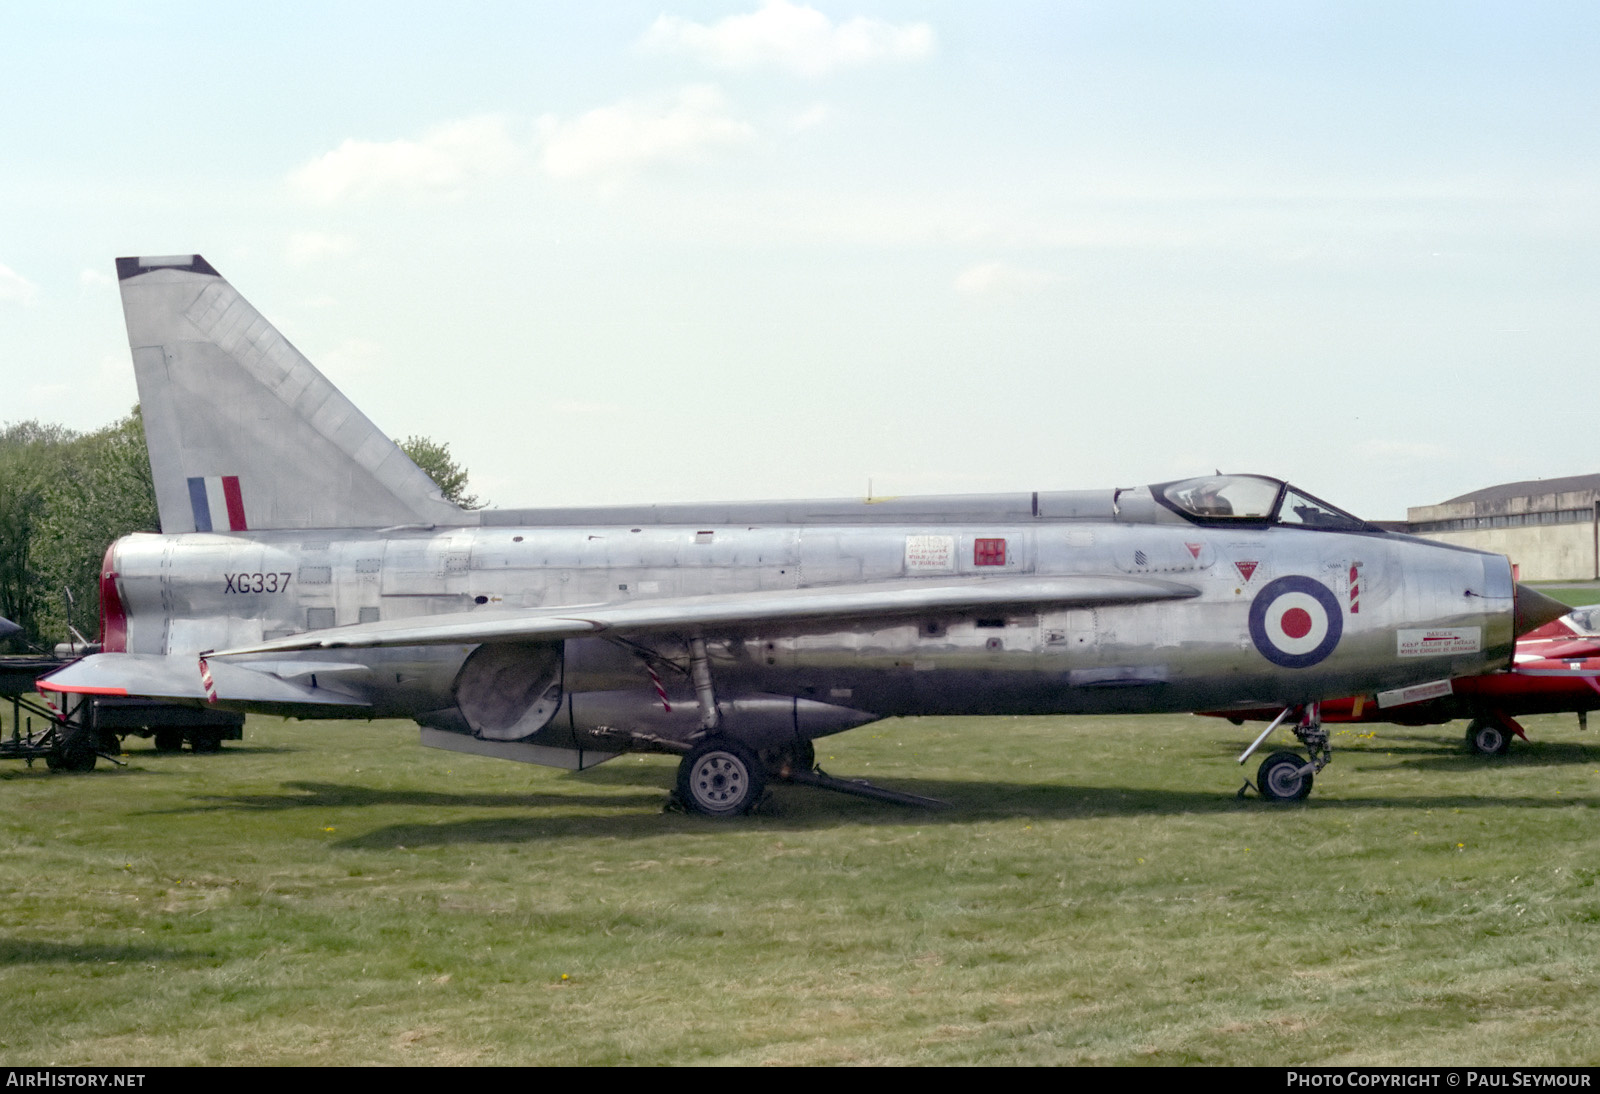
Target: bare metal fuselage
(184, 594)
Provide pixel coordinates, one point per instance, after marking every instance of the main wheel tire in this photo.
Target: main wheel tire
(205, 742)
(720, 778)
(1279, 778)
(1487, 737)
(72, 758)
(169, 740)
(75, 749)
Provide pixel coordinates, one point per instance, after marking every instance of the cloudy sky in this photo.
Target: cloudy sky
(678, 250)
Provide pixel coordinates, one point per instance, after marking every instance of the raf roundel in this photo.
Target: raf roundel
(1295, 622)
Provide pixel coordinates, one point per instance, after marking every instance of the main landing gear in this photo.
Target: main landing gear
(721, 776)
(1284, 776)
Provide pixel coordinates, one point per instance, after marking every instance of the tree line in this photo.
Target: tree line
(65, 496)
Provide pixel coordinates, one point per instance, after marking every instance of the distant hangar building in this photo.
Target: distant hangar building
(1549, 527)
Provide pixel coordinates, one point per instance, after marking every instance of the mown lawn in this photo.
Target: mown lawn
(335, 894)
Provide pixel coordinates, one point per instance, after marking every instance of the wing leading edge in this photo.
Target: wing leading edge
(178, 678)
(736, 611)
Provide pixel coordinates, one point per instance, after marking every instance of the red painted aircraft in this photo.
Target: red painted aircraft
(1556, 669)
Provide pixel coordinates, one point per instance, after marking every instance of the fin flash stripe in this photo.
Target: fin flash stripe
(219, 495)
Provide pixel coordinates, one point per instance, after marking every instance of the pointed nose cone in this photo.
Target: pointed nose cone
(8, 628)
(1534, 610)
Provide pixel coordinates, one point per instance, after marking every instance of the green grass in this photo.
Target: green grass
(335, 894)
(1579, 596)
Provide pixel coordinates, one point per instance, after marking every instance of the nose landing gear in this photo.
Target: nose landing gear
(1284, 776)
(1490, 734)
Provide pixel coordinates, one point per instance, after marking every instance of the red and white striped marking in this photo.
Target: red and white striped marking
(1355, 589)
(205, 681)
(660, 691)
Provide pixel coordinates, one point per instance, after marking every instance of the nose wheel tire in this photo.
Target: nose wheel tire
(1487, 737)
(1280, 779)
(720, 778)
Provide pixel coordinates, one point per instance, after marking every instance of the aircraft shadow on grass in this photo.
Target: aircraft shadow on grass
(638, 813)
(16, 951)
(230, 750)
(136, 759)
(1447, 754)
(315, 795)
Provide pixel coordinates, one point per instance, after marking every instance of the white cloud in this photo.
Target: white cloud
(443, 160)
(1405, 451)
(615, 139)
(577, 408)
(999, 277)
(792, 37)
(811, 117)
(306, 248)
(16, 289)
(95, 279)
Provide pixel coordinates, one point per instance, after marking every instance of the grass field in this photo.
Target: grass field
(335, 894)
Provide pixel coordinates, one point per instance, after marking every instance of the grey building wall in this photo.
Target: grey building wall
(1550, 528)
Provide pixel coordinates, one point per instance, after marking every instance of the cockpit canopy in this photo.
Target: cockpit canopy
(1252, 499)
(1585, 620)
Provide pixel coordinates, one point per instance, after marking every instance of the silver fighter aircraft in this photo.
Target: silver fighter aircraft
(306, 567)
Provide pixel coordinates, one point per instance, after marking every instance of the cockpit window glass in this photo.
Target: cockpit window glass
(1308, 512)
(1239, 497)
(1586, 620)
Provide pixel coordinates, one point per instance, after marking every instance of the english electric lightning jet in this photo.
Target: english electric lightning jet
(306, 567)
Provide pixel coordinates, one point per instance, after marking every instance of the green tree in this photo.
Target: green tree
(101, 492)
(434, 458)
(32, 456)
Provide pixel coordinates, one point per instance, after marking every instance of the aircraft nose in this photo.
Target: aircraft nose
(1534, 610)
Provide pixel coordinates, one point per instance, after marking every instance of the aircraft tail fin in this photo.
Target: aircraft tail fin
(243, 431)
